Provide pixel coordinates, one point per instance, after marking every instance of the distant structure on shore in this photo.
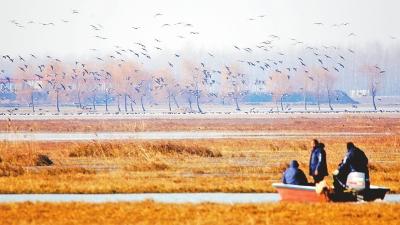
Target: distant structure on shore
(359, 93)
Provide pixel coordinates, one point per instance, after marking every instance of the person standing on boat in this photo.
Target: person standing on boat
(294, 175)
(355, 160)
(317, 167)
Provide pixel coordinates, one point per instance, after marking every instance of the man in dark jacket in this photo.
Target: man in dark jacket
(317, 167)
(294, 175)
(354, 161)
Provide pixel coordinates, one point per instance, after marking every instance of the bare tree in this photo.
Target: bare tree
(279, 85)
(305, 80)
(325, 81)
(130, 75)
(197, 88)
(129, 71)
(167, 86)
(28, 83)
(196, 81)
(234, 84)
(121, 80)
(56, 82)
(142, 87)
(80, 82)
(375, 75)
(93, 81)
(107, 87)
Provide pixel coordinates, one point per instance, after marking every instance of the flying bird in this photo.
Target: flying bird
(103, 38)
(94, 27)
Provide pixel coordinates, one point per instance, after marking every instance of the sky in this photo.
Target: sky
(87, 29)
(221, 24)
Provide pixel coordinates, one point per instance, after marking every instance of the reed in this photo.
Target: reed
(149, 212)
(232, 165)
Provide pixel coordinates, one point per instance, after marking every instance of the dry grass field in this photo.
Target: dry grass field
(218, 165)
(156, 213)
(226, 165)
(342, 123)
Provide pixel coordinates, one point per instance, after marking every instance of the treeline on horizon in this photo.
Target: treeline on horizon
(125, 81)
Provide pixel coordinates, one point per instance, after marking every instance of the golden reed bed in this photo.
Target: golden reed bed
(340, 124)
(178, 166)
(157, 213)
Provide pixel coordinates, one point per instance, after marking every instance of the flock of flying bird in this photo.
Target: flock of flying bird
(263, 58)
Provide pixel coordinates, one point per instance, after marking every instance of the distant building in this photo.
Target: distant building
(7, 85)
(359, 93)
(35, 84)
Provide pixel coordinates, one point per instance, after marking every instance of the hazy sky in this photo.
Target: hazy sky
(221, 24)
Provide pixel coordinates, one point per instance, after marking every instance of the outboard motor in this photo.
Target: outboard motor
(356, 181)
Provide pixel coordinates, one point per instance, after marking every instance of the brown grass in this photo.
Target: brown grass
(117, 149)
(149, 212)
(236, 165)
(340, 124)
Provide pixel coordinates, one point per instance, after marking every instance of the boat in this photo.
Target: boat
(301, 193)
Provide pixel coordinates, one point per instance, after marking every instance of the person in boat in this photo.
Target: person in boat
(294, 175)
(355, 160)
(317, 166)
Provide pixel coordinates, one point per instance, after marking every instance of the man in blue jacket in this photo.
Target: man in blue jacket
(317, 167)
(354, 161)
(294, 175)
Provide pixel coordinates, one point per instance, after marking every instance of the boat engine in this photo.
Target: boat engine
(356, 181)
